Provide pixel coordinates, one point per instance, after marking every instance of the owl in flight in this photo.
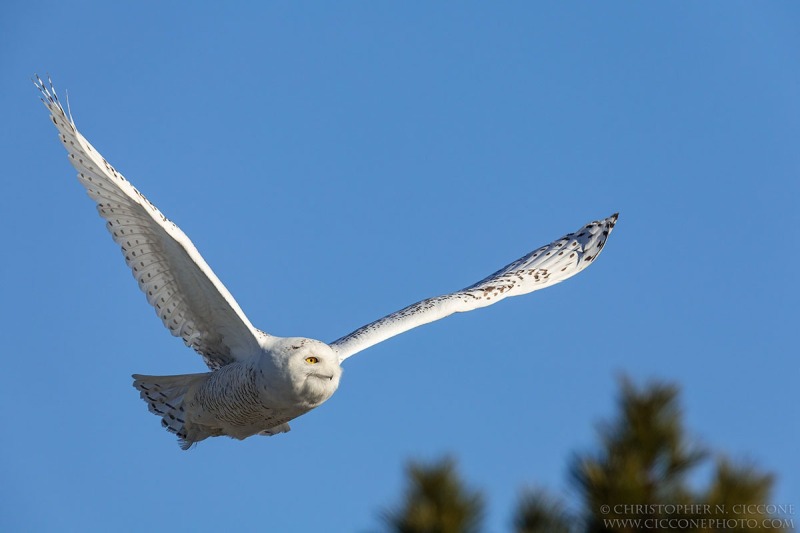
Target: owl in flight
(259, 382)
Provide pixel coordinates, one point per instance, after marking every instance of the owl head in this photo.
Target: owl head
(309, 368)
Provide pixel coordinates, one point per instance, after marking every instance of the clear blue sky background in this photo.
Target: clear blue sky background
(334, 162)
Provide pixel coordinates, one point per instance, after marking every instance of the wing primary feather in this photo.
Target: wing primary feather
(543, 267)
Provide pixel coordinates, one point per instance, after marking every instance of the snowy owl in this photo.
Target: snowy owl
(259, 382)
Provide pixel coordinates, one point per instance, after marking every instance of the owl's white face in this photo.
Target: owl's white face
(311, 368)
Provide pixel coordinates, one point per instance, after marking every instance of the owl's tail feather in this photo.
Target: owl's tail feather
(165, 396)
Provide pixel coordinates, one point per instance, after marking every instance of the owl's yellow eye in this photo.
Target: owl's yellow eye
(312, 360)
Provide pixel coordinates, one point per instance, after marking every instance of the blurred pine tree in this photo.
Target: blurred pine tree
(436, 501)
(640, 471)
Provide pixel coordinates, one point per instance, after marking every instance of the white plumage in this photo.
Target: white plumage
(259, 382)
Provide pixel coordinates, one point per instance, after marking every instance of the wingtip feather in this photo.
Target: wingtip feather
(50, 99)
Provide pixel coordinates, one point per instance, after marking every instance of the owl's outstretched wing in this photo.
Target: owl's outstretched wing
(541, 268)
(188, 298)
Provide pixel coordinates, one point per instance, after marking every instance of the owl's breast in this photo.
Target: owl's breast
(233, 399)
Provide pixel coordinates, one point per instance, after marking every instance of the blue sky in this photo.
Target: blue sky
(334, 162)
